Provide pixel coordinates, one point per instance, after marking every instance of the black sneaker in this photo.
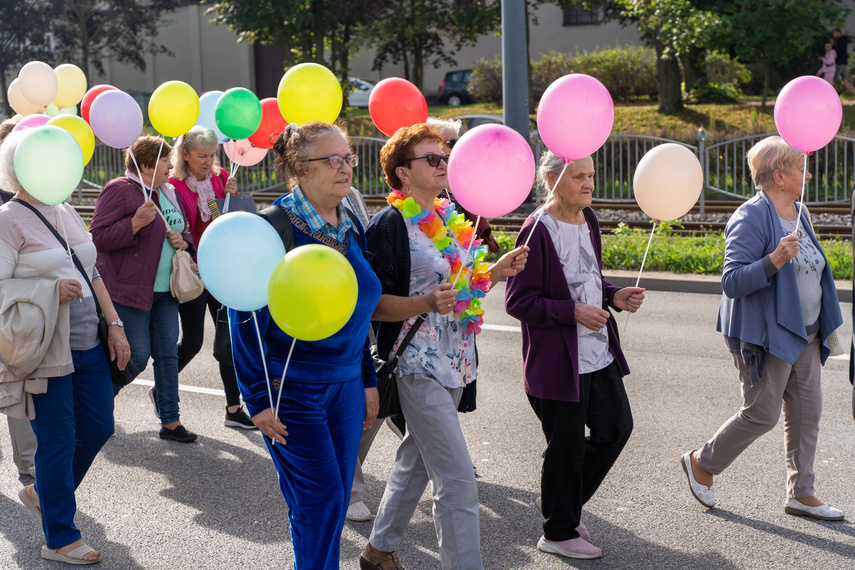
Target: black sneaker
(180, 434)
(238, 419)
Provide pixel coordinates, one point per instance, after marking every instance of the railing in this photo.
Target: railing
(724, 166)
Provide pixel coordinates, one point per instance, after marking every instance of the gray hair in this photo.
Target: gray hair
(769, 155)
(549, 163)
(446, 126)
(8, 178)
(196, 137)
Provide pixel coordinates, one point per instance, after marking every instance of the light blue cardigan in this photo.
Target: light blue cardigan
(765, 310)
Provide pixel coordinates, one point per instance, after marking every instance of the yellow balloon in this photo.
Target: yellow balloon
(80, 130)
(72, 85)
(173, 108)
(312, 292)
(309, 92)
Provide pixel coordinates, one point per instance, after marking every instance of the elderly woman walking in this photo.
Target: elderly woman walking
(573, 365)
(778, 306)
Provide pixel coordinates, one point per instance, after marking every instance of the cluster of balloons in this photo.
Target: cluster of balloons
(311, 292)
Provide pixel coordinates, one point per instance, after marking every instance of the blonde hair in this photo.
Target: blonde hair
(196, 137)
(769, 155)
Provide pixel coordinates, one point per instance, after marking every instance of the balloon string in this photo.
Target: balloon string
(139, 174)
(543, 208)
(156, 162)
(643, 259)
(468, 248)
(282, 382)
(67, 244)
(802, 199)
(263, 360)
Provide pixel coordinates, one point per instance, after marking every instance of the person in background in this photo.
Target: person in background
(74, 405)
(573, 365)
(416, 263)
(778, 307)
(200, 181)
(135, 249)
(841, 60)
(827, 69)
(20, 431)
(330, 392)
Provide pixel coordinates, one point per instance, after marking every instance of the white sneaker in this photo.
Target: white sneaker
(578, 548)
(358, 512)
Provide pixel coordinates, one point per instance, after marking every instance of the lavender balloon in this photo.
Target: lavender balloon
(808, 113)
(116, 118)
(575, 116)
(491, 170)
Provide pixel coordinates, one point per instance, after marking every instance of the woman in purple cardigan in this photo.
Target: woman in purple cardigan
(572, 361)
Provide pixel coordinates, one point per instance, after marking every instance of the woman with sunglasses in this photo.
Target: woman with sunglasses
(330, 392)
(418, 248)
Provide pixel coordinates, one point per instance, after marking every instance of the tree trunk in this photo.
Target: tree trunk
(694, 71)
(7, 108)
(532, 104)
(765, 83)
(318, 12)
(670, 91)
(418, 65)
(344, 63)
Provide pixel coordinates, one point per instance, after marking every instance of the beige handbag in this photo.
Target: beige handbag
(185, 283)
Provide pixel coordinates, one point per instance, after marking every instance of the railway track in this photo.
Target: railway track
(512, 224)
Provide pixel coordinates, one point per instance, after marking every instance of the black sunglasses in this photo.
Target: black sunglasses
(451, 143)
(431, 158)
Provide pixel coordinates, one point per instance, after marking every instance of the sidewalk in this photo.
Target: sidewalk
(691, 283)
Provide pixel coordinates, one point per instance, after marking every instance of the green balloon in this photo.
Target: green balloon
(238, 113)
(49, 164)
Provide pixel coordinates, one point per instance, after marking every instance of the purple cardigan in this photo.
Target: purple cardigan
(540, 298)
(127, 262)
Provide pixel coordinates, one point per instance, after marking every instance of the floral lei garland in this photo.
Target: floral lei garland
(469, 290)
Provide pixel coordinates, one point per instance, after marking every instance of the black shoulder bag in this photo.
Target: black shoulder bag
(119, 377)
(387, 380)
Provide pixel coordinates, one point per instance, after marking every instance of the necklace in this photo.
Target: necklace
(443, 230)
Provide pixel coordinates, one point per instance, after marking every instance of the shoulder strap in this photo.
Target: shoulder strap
(281, 223)
(62, 242)
(410, 334)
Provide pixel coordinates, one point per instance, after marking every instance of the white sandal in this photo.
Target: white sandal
(73, 557)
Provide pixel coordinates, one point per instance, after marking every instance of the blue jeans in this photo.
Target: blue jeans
(315, 468)
(74, 419)
(155, 333)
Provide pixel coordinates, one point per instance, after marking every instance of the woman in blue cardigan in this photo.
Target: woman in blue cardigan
(330, 390)
(778, 306)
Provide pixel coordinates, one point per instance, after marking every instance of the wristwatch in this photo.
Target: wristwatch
(116, 323)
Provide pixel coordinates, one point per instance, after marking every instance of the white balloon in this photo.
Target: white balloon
(19, 103)
(668, 181)
(39, 83)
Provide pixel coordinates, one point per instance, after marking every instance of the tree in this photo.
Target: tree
(417, 33)
(89, 31)
(21, 38)
(775, 33)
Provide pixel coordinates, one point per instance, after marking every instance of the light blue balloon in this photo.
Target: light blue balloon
(236, 257)
(207, 108)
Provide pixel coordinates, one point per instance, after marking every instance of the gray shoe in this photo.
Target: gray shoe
(822, 512)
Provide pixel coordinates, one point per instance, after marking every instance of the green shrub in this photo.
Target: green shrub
(485, 84)
(721, 93)
(721, 68)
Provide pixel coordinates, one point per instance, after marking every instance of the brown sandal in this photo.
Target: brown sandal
(373, 559)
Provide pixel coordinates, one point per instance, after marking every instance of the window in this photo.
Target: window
(576, 16)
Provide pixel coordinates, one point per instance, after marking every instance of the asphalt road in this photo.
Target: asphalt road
(215, 504)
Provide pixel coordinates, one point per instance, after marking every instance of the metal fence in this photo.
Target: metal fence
(725, 169)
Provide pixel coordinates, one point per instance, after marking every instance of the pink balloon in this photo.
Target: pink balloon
(31, 121)
(491, 170)
(808, 113)
(575, 116)
(243, 152)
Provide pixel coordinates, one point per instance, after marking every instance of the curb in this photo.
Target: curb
(690, 283)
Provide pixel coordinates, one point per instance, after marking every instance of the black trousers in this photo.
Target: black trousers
(574, 465)
(192, 314)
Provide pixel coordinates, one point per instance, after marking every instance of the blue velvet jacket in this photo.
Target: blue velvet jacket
(342, 357)
(764, 309)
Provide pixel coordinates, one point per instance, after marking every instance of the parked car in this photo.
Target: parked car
(360, 91)
(452, 90)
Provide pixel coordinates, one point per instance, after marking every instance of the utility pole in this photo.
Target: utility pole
(515, 66)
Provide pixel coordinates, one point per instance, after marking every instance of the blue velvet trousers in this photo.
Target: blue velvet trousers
(315, 468)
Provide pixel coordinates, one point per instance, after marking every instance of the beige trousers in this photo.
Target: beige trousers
(798, 387)
(23, 444)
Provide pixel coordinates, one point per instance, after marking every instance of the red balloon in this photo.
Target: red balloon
(396, 103)
(272, 123)
(89, 97)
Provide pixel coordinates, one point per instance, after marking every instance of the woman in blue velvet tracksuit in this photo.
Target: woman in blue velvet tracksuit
(330, 390)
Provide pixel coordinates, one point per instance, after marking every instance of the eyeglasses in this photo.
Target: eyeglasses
(451, 143)
(337, 161)
(431, 158)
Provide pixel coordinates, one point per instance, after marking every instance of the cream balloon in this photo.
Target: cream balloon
(72, 85)
(19, 103)
(668, 181)
(39, 83)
